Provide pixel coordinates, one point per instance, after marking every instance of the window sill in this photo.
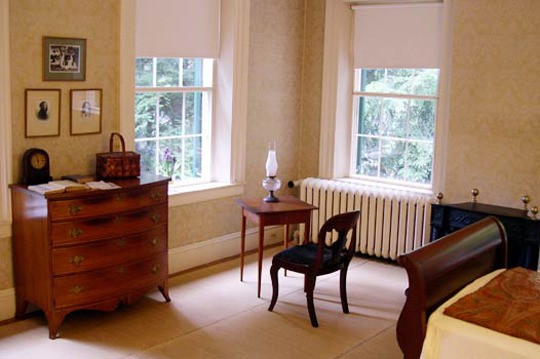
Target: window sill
(179, 196)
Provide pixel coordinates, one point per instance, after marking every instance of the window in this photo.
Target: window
(173, 99)
(394, 117)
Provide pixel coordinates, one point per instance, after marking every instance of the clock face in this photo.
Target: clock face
(35, 167)
(38, 160)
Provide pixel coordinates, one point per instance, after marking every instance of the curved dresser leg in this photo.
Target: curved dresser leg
(164, 289)
(55, 319)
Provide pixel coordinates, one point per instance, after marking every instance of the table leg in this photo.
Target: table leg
(242, 246)
(307, 237)
(286, 243)
(261, 244)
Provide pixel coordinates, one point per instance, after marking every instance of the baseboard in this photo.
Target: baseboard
(182, 258)
(197, 254)
(7, 304)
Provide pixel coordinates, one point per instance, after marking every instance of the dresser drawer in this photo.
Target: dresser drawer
(109, 283)
(80, 231)
(114, 251)
(106, 203)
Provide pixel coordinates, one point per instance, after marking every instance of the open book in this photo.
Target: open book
(57, 187)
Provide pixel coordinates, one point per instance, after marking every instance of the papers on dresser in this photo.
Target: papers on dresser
(102, 185)
(57, 187)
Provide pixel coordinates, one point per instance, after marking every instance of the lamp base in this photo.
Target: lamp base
(271, 198)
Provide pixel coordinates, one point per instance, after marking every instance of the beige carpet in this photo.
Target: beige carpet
(214, 315)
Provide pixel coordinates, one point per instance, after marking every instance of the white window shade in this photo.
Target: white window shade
(177, 28)
(397, 36)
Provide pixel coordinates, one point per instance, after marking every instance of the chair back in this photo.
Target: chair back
(342, 224)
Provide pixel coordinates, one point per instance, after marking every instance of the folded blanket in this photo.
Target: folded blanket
(509, 303)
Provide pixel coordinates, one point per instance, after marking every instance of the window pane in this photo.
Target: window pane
(399, 81)
(194, 113)
(192, 72)
(369, 115)
(394, 119)
(170, 114)
(168, 72)
(145, 115)
(419, 160)
(147, 150)
(193, 158)
(367, 163)
(422, 119)
(144, 71)
(392, 161)
(170, 158)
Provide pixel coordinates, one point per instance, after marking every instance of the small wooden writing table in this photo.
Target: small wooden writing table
(289, 210)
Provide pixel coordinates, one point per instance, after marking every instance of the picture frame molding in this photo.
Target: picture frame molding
(33, 125)
(82, 123)
(63, 75)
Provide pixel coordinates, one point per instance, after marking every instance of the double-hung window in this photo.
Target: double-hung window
(395, 95)
(176, 45)
(173, 112)
(394, 116)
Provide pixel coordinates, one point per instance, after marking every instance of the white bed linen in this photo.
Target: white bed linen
(450, 338)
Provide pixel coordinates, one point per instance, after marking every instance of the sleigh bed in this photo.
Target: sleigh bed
(441, 269)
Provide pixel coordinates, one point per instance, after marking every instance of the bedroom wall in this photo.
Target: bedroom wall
(274, 99)
(495, 102)
(94, 20)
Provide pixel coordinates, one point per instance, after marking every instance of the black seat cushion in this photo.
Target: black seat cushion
(304, 254)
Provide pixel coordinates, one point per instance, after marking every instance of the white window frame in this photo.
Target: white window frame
(230, 102)
(337, 89)
(356, 94)
(206, 118)
(5, 122)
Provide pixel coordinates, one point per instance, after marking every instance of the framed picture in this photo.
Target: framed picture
(85, 110)
(42, 112)
(64, 59)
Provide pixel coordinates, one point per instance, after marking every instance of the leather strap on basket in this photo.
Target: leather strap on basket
(122, 143)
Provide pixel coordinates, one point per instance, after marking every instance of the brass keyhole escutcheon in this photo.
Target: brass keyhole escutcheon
(155, 269)
(155, 242)
(155, 217)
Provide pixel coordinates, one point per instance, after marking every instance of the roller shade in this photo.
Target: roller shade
(397, 36)
(177, 28)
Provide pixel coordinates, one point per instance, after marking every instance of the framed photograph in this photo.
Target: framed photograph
(85, 110)
(64, 59)
(42, 112)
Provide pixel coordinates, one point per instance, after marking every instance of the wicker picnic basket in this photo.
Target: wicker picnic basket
(117, 164)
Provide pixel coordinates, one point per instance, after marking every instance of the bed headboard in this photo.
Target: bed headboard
(440, 269)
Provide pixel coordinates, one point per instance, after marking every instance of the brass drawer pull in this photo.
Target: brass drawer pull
(122, 270)
(77, 289)
(75, 209)
(77, 260)
(119, 218)
(155, 269)
(155, 195)
(75, 232)
(155, 242)
(155, 217)
(121, 242)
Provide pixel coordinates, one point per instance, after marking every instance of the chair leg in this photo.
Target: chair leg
(309, 287)
(275, 285)
(343, 289)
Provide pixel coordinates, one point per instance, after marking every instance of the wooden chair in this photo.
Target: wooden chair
(315, 259)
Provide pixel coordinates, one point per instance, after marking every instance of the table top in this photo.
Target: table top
(286, 204)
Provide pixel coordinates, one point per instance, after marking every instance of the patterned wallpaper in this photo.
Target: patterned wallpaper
(495, 102)
(97, 21)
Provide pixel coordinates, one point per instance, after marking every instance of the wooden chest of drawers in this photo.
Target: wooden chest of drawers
(89, 249)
